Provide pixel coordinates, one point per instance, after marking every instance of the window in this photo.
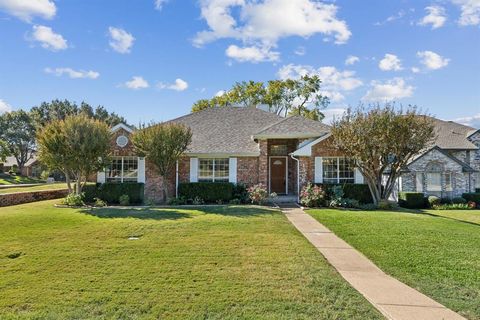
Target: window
(477, 180)
(123, 169)
(434, 181)
(278, 150)
(448, 182)
(338, 170)
(213, 170)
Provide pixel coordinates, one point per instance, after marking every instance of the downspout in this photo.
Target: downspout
(298, 176)
(176, 179)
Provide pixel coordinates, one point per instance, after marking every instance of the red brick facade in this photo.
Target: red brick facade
(11, 199)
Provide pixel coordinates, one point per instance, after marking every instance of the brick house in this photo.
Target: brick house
(250, 146)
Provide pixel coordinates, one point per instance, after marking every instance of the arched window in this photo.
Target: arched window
(434, 171)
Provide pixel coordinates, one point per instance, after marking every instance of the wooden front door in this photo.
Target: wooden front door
(278, 175)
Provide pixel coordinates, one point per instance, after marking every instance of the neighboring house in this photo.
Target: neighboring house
(450, 166)
(31, 169)
(241, 145)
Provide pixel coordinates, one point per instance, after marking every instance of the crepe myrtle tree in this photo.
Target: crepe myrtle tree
(162, 144)
(382, 139)
(78, 146)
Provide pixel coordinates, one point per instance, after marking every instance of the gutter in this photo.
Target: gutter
(298, 177)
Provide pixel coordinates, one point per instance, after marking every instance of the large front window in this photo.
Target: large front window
(338, 170)
(213, 170)
(123, 169)
(434, 181)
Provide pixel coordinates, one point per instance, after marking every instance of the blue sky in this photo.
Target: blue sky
(152, 59)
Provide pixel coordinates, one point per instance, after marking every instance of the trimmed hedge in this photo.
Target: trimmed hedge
(477, 190)
(359, 192)
(411, 200)
(208, 191)
(111, 192)
(475, 197)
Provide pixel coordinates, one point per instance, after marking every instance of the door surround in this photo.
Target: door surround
(270, 172)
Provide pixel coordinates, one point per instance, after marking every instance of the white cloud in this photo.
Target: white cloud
(432, 60)
(74, 74)
(415, 70)
(300, 51)
(120, 40)
(48, 38)
(351, 60)
(399, 15)
(262, 23)
(334, 82)
(436, 17)
(390, 63)
(178, 85)
(251, 54)
(136, 83)
(332, 114)
(470, 9)
(4, 107)
(27, 9)
(159, 4)
(472, 121)
(390, 90)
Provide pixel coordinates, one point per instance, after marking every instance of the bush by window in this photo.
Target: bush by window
(411, 200)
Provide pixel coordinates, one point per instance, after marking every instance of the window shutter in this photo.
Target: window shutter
(358, 177)
(419, 181)
(318, 170)
(232, 170)
(193, 169)
(101, 177)
(141, 170)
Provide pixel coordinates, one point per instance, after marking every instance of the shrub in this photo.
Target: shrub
(368, 207)
(177, 201)
(350, 203)
(198, 201)
(235, 201)
(312, 196)
(458, 200)
(477, 190)
(433, 201)
(111, 192)
(475, 197)
(210, 192)
(453, 206)
(472, 205)
(124, 200)
(240, 192)
(258, 193)
(359, 192)
(74, 200)
(99, 203)
(411, 200)
(388, 205)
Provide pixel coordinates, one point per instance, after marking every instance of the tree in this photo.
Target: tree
(162, 145)
(382, 140)
(4, 151)
(59, 110)
(17, 130)
(283, 97)
(78, 146)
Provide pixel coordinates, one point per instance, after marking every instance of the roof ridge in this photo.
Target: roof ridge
(272, 125)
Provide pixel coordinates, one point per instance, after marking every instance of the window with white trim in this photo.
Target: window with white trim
(477, 180)
(122, 169)
(434, 181)
(338, 170)
(448, 181)
(213, 170)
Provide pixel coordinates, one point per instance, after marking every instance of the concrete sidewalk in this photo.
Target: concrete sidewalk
(394, 299)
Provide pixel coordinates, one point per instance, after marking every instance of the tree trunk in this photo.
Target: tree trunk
(165, 188)
(79, 184)
(69, 182)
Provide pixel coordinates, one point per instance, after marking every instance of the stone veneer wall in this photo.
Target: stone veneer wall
(11, 199)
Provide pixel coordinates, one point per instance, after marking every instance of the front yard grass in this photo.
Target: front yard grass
(42, 187)
(226, 262)
(436, 252)
(6, 179)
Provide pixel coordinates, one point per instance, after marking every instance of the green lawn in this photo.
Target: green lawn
(206, 263)
(440, 256)
(50, 186)
(8, 179)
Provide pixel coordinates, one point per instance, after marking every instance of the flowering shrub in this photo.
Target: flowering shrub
(258, 193)
(472, 204)
(312, 195)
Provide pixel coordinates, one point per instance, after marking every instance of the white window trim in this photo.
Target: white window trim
(338, 170)
(107, 179)
(223, 179)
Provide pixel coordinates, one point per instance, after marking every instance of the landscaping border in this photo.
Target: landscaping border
(11, 199)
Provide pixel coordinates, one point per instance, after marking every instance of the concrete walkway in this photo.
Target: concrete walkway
(394, 299)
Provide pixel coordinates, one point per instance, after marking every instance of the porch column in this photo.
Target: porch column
(263, 163)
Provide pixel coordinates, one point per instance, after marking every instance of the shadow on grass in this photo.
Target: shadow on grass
(427, 213)
(176, 213)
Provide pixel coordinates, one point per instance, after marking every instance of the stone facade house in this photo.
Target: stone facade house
(250, 146)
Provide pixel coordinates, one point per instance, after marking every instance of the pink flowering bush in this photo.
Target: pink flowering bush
(312, 196)
(258, 193)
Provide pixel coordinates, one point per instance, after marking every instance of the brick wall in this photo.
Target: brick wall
(11, 199)
(247, 170)
(325, 148)
(128, 150)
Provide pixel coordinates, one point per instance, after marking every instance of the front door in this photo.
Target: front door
(278, 175)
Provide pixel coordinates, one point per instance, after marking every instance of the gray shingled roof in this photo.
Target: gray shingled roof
(452, 135)
(294, 127)
(226, 130)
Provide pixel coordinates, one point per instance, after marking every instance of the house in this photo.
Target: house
(250, 146)
(448, 167)
(32, 168)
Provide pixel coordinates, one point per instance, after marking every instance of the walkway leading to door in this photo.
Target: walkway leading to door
(394, 299)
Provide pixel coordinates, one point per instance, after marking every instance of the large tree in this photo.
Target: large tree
(17, 130)
(162, 145)
(283, 97)
(60, 109)
(382, 140)
(78, 146)
(4, 151)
